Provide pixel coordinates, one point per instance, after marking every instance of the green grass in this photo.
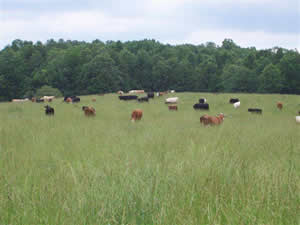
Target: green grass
(165, 169)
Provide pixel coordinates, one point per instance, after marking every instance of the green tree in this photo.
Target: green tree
(237, 78)
(290, 68)
(270, 81)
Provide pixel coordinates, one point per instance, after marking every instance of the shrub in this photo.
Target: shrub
(48, 91)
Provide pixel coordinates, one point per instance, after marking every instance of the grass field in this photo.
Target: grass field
(165, 169)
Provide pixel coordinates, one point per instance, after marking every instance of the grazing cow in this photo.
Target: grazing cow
(48, 98)
(120, 92)
(68, 100)
(236, 105)
(255, 110)
(39, 100)
(49, 110)
(136, 115)
(89, 111)
(173, 107)
(136, 92)
(171, 100)
(279, 105)
(143, 99)
(93, 99)
(20, 100)
(233, 100)
(72, 99)
(202, 100)
(75, 99)
(212, 120)
(127, 97)
(150, 95)
(204, 106)
(297, 119)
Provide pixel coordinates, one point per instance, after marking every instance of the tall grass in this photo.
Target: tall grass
(165, 169)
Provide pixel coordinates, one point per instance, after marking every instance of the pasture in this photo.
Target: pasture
(165, 169)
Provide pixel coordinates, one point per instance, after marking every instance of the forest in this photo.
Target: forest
(83, 68)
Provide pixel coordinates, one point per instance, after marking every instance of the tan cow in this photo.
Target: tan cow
(89, 111)
(212, 120)
(279, 105)
(136, 115)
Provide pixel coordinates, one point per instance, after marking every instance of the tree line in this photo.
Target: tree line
(81, 68)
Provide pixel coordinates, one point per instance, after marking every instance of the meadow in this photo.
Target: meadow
(165, 169)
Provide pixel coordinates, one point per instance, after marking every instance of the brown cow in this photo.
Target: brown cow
(279, 105)
(89, 111)
(136, 115)
(212, 120)
(68, 100)
(173, 107)
(93, 99)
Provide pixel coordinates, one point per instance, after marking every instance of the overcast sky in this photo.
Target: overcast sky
(259, 23)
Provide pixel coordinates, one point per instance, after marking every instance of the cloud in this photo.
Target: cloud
(248, 22)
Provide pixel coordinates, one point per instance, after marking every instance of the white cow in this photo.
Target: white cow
(237, 105)
(136, 91)
(171, 100)
(20, 100)
(47, 98)
(297, 119)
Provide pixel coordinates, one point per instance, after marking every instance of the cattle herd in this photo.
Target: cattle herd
(137, 114)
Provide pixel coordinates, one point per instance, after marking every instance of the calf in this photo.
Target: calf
(279, 105)
(202, 100)
(136, 115)
(204, 106)
(255, 110)
(49, 110)
(143, 99)
(233, 100)
(89, 111)
(212, 120)
(173, 107)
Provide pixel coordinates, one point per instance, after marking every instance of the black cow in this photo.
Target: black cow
(150, 94)
(202, 100)
(255, 110)
(143, 99)
(233, 100)
(75, 99)
(39, 100)
(49, 110)
(204, 106)
(127, 97)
